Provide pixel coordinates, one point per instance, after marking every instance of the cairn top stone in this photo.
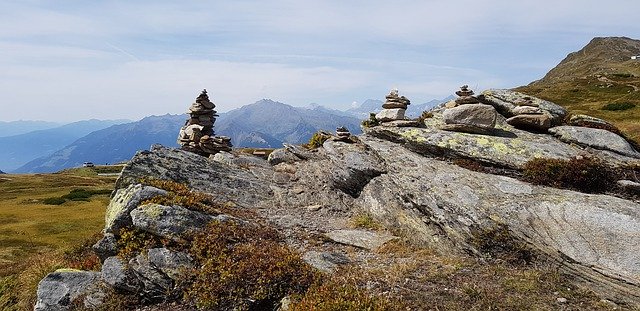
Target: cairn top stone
(464, 91)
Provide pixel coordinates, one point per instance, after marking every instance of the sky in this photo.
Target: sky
(70, 60)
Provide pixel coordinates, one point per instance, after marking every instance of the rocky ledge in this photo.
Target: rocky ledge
(404, 178)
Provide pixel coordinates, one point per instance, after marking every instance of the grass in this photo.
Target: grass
(588, 95)
(34, 236)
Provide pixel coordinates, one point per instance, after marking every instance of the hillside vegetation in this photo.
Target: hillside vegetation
(50, 214)
(600, 80)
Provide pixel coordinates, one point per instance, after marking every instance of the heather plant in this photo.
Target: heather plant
(583, 174)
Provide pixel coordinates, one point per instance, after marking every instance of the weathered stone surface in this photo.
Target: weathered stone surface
(282, 156)
(325, 261)
(535, 122)
(118, 275)
(58, 290)
(593, 237)
(124, 201)
(226, 182)
(466, 128)
(156, 286)
(478, 115)
(360, 238)
(630, 186)
(105, 247)
(356, 166)
(173, 264)
(506, 100)
(595, 138)
(589, 121)
(239, 160)
(526, 110)
(172, 222)
(391, 114)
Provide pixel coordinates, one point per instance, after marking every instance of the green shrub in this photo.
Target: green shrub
(244, 268)
(583, 174)
(317, 140)
(54, 201)
(371, 122)
(618, 106)
(133, 241)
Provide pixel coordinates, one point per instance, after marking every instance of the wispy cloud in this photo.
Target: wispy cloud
(113, 59)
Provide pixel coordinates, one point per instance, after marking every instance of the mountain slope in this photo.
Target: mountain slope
(110, 145)
(600, 80)
(20, 127)
(267, 123)
(263, 124)
(19, 149)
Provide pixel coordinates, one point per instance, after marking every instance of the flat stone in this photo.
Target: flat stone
(526, 110)
(391, 114)
(478, 115)
(172, 222)
(60, 289)
(360, 238)
(325, 261)
(394, 105)
(595, 138)
(535, 122)
(118, 275)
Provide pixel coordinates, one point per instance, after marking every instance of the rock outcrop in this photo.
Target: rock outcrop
(403, 178)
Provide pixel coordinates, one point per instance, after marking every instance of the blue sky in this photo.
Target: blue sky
(71, 60)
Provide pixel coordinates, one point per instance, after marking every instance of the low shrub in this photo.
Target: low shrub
(337, 294)
(317, 140)
(618, 106)
(371, 122)
(498, 243)
(54, 201)
(583, 174)
(133, 241)
(365, 221)
(244, 268)
(82, 257)
(469, 164)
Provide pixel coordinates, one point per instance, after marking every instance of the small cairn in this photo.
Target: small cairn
(343, 134)
(394, 107)
(527, 115)
(466, 114)
(197, 134)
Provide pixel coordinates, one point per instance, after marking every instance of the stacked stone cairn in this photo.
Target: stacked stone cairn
(529, 116)
(466, 114)
(197, 134)
(343, 134)
(394, 107)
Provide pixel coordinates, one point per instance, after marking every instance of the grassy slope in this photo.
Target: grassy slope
(588, 95)
(27, 225)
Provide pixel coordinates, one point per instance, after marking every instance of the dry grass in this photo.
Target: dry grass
(34, 236)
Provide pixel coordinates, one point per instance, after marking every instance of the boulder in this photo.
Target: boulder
(390, 114)
(360, 238)
(117, 274)
(526, 110)
(589, 121)
(477, 115)
(595, 138)
(506, 100)
(106, 247)
(282, 156)
(198, 173)
(593, 237)
(171, 222)
(325, 261)
(156, 286)
(534, 122)
(173, 264)
(124, 201)
(60, 289)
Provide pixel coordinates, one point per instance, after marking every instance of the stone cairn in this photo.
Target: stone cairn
(394, 107)
(527, 115)
(343, 134)
(467, 114)
(197, 134)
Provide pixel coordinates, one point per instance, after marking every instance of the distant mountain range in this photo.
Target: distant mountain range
(20, 127)
(413, 111)
(264, 124)
(19, 149)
